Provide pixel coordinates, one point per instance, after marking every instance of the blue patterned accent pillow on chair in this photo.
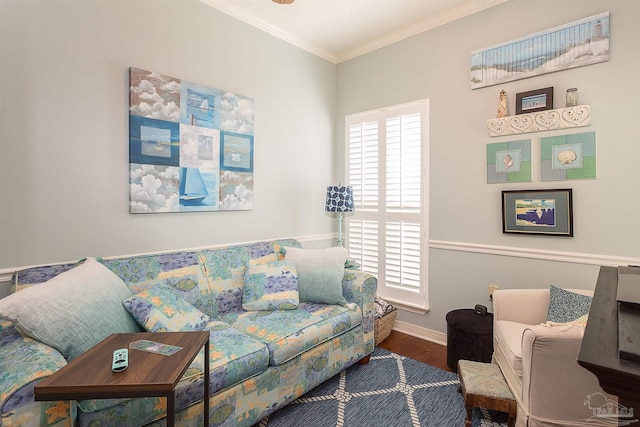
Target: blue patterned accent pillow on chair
(565, 306)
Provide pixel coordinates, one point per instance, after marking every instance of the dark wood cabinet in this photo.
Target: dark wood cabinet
(599, 350)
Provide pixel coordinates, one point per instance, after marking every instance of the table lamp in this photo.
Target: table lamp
(339, 202)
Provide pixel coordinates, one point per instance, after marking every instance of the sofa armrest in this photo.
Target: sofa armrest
(23, 362)
(528, 306)
(554, 385)
(360, 288)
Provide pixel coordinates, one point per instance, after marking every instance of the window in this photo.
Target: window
(386, 164)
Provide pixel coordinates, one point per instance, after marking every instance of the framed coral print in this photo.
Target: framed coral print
(566, 157)
(541, 212)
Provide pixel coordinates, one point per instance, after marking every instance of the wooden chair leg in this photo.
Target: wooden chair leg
(469, 421)
(364, 360)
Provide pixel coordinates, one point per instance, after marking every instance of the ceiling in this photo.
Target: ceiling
(339, 30)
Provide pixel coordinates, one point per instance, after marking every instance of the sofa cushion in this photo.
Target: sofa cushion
(288, 333)
(182, 271)
(73, 311)
(566, 306)
(320, 273)
(160, 309)
(508, 337)
(270, 286)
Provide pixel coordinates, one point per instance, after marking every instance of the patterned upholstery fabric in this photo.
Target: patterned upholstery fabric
(287, 333)
(270, 286)
(182, 271)
(159, 309)
(312, 343)
(38, 361)
(566, 306)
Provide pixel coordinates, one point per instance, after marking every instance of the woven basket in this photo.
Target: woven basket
(383, 326)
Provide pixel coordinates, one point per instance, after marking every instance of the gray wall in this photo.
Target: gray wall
(64, 141)
(64, 120)
(435, 65)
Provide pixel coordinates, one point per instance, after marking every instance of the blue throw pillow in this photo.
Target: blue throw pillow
(565, 306)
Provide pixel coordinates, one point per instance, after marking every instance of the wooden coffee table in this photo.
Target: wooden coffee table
(89, 376)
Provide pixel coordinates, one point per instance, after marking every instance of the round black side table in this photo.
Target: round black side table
(469, 337)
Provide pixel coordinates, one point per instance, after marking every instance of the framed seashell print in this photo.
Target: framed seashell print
(541, 212)
(509, 162)
(567, 157)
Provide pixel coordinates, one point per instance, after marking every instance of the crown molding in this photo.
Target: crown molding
(270, 29)
(461, 11)
(430, 23)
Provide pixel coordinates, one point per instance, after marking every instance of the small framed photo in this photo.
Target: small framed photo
(542, 212)
(534, 100)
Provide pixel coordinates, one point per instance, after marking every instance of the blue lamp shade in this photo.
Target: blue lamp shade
(339, 199)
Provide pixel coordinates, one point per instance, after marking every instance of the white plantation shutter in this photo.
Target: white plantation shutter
(387, 167)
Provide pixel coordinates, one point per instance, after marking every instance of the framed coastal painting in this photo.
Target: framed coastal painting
(542, 212)
(534, 100)
(190, 146)
(576, 44)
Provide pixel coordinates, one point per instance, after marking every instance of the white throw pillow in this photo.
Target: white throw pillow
(73, 311)
(320, 273)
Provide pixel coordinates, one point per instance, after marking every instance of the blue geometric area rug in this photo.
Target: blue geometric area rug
(391, 390)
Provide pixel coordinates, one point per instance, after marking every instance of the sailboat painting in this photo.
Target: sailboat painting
(190, 146)
(198, 189)
(153, 141)
(199, 106)
(237, 152)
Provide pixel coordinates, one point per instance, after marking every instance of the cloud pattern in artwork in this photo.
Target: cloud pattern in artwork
(160, 102)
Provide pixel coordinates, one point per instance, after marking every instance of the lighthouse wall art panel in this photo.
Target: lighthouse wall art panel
(576, 44)
(190, 146)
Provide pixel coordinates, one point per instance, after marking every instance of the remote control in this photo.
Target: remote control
(120, 360)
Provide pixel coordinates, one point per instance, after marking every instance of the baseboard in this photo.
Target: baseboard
(420, 332)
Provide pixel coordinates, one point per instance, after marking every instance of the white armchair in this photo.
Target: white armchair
(539, 362)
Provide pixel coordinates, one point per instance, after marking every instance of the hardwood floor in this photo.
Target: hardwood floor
(417, 348)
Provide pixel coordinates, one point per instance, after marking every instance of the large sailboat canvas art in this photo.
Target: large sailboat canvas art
(190, 146)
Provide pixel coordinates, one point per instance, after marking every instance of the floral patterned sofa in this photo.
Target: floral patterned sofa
(260, 359)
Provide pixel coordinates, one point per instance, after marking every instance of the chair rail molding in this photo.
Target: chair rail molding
(561, 118)
(7, 273)
(538, 254)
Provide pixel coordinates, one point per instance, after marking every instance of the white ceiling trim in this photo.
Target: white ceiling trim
(420, 27)
(274, 31)
(409, 31)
